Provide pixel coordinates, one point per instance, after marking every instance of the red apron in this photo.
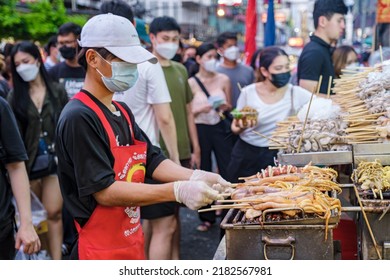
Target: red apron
(115, 233)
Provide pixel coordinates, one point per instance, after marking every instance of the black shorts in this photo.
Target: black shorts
(158, 210)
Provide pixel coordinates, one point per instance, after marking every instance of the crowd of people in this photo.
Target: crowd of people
(114, 132)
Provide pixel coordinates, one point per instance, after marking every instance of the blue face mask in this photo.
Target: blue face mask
(124, 76)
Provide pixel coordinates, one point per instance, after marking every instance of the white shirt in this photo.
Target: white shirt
(150, 88)
(269, 114)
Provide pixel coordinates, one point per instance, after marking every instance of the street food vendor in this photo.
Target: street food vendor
(104, 156)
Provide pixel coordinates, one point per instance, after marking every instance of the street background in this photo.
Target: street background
(196, 245)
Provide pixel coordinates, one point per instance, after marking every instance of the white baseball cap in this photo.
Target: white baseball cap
(117, 35)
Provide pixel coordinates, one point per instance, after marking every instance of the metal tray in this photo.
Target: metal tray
(371, 149)
(316, 158)
(383, 158)
(372, 152)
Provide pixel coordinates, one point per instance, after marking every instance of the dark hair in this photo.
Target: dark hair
(52, 42)
(68, 28)
(201, 50)
(119, 8)
(340, 56)
(163, 23)
(255, 64)
(223, 37)
(81, 59)
(328, 8)
(19, 101)
(267, 56)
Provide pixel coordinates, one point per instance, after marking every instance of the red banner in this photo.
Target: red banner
(250, 30)
(383, 11)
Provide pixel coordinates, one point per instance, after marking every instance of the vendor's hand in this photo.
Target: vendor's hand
(194, 194)
(215, 181)
(27, 236)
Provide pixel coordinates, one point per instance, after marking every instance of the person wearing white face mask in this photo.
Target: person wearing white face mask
(164, 33)
(104, 156)
(239, 74)
(211, 92)
(149, 101)
(37, 102)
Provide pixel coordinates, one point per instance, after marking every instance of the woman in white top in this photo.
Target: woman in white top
(212, 93)
(275, 99)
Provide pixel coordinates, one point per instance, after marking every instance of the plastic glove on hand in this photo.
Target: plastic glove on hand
(194, 194)
(215, 181)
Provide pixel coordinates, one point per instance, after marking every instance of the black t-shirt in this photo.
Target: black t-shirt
(85, 162)
(72, 78)
(11, 150)
(316, 60)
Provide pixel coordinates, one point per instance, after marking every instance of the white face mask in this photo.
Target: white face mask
(124, 76)
(210, 65)
(28, 72)
(167, 50)
(232, 53)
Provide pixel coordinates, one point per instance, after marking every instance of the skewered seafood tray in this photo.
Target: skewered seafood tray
(275, 241)
(371, 177)
(273, 212)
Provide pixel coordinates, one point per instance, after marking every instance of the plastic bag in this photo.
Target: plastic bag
(39, 214)
(22, 256)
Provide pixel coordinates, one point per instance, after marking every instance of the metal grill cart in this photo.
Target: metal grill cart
(376, 210)
(300, 239)
(343, 244)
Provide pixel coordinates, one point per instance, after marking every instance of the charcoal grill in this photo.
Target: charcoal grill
(301, 238)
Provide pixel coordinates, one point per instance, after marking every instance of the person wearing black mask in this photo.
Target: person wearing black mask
(275, 99)
(68, 72)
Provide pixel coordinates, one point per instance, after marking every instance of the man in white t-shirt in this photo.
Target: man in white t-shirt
(149, 101)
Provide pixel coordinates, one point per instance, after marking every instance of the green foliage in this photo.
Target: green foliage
(38, 24)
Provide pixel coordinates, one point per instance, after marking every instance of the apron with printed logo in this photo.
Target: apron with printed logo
(115, 233)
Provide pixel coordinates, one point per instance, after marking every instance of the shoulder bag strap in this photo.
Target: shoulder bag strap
(292, 110)
(202, 86)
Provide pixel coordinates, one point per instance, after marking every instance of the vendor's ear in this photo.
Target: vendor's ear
(91, 58)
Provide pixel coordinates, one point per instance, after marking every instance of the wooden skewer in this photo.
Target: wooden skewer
(319, 85)
(364, 142)
(268, 138)
(329, 86)
(367, 222)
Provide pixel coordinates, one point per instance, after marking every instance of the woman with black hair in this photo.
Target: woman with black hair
(275, 99)
(37, 103)
(212, 94)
